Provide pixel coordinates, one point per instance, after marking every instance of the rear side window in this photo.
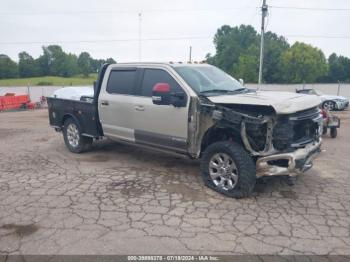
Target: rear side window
(121, 82)
(154, 76)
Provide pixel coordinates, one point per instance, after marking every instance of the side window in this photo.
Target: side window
(121, 82)
(154, 76)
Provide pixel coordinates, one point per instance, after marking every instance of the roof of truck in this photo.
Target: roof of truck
(173, 64)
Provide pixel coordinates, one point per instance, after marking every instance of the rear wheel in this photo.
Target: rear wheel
(73, 139)
(227, 168)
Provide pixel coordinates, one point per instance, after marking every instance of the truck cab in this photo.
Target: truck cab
(128, 109)
(199, 111)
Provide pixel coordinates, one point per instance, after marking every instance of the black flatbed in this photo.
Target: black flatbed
(84, 112)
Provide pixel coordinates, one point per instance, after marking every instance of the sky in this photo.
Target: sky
(112, 28)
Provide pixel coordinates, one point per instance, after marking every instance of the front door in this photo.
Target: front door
(164, 126)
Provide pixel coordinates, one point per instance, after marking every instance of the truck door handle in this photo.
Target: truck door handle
(139, 108)
(104, 103)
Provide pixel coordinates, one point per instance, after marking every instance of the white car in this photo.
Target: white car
(328, 101)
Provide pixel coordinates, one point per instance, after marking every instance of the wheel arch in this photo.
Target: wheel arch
(217, 133)
(67, 116)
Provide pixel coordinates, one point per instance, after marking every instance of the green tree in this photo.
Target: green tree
(303, 63)
(237, 53)
(27, 66)
(339, 68)
(230, 43)
(97, 63)
(69, 66)
(275, 46)
(110, 61)
(56, 62)
(247, 67)
(85, 64)
(8, 68)
(57, 59)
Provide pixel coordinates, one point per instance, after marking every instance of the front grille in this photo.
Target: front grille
(305, 114)
(297, 130)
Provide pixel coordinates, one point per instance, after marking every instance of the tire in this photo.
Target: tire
(334, 132)
(324, 131)
(238, 183)
(330, 105)
(75, 142)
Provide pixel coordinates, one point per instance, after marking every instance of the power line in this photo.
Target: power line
(319, 36)
(107, 40)
(126, 11)
(310, 8)
(153, 39)
(167, 10)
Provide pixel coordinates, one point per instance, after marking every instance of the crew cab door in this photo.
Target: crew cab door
(164, 126)
(116, 103)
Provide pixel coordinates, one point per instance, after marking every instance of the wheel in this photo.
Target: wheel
(228, 169)
(334, 132)
(324, 131)
(330, 105)
(73, 139)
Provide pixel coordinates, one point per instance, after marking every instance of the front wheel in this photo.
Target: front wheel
(73, 139)
(228, 169)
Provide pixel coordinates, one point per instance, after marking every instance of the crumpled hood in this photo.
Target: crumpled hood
(282, 102)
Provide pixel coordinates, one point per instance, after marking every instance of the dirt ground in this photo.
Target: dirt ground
(119, 199)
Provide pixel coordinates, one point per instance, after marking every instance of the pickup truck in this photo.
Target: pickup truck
(199, 111)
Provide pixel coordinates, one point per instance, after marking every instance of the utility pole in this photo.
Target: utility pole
(140, 35)
(190, 60)
(264, 9)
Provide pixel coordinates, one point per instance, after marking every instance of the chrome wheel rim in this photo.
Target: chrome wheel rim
(329, 105)
(223, 171)
(73, 135)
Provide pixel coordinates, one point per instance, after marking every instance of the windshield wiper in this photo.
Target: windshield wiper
(241, 89)
(217, 91)
(223, 91)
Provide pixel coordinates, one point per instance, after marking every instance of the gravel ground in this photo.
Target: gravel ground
(119, 199)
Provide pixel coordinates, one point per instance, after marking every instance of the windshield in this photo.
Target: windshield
(208, 79)
(317, 92)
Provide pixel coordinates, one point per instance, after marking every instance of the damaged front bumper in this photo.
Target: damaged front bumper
(292, 164)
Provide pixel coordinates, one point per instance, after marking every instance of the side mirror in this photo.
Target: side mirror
(178, 99)
(161, 94)
(241, 81)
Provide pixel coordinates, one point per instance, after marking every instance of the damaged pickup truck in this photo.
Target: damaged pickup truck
(199, 111)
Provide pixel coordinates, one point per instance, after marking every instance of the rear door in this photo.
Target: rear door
(163, 126)
(116, 103)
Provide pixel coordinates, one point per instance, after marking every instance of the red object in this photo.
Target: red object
(324, 114)
(31, 105)
(11, 101)
(161, 87)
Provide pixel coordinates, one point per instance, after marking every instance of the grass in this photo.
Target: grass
(50, 80)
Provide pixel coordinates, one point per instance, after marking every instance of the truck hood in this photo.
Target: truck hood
(282, 102)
